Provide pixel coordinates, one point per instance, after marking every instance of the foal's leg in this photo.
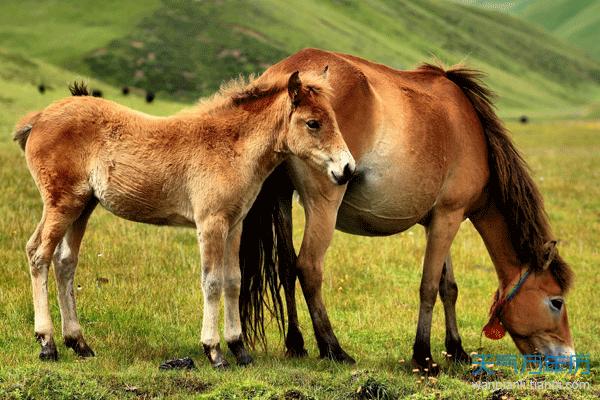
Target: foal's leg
(440, 232)
(212, 238)
(40, 248)
(448, 295)
(232, 283)
(65, 263)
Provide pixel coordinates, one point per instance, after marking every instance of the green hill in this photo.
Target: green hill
(575, 21)
(184, 49)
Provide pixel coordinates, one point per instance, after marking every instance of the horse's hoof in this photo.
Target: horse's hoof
(49, 353)
(80, 347)
(339, 355)
(296, 353)
(239, 351)
(215, 356)
(221, 365)
(426, 366)
(460, 356)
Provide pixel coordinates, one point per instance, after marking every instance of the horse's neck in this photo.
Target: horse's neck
(253, 137)
(496, 236)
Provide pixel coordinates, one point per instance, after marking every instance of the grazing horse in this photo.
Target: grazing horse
(431, 151)
(201, 168)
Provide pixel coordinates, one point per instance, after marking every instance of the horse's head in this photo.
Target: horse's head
(313, 133)
(533, 310)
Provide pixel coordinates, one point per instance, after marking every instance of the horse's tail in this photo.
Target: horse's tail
(266, 249)
(515, 193)
(24, 126)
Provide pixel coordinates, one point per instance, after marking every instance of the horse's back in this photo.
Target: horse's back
(416, 137)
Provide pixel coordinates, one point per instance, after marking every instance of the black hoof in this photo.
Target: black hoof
(459, 355)
(426, 366)
(80, 347)
(215, 356)
(294, 343)
(239, 351)
(296, 353)
(338, 355)
(49, 351)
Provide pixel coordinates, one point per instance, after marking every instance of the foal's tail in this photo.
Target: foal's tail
(514, 191)
(24, 126)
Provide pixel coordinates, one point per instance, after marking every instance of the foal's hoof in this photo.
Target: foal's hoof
(215, 356)
(221, 365)
(80, 347)
(239, 351)
(49, 353)
(426, 366)
(338, 355)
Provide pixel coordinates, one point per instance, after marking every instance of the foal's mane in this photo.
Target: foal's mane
(514, 191)
(243, 90)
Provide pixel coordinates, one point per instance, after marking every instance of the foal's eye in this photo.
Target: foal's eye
(556, 303)
(313, 124)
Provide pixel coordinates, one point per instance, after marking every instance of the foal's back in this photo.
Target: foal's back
(82, 148)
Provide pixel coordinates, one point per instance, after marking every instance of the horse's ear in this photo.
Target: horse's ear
(325, 73)
(295, 88)
(550, 252)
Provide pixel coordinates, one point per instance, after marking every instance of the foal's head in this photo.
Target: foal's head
(312, 133)
(536, 317)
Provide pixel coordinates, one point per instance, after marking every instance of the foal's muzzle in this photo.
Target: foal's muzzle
(346, 175)
(342, 170)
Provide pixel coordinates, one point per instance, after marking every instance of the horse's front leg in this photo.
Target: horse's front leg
(212, 235)
(321, 201)
(232, 283)
(440, 232)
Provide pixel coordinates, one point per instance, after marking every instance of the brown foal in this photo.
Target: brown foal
(201, 168)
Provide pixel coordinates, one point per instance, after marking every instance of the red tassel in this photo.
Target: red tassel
(494, 329)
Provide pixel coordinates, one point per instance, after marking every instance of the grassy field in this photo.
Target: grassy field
(140, 301)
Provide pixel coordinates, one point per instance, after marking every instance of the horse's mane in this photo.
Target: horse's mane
(513, 189)
(241, 90)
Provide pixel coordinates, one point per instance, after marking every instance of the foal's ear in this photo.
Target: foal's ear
(295, 88)
(325, 73)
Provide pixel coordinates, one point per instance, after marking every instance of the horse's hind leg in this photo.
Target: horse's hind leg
(448, 295)
(65, 262)
(40, 248)
(440, 232)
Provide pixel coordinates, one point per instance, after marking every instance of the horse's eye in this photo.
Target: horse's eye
(557, 303)
(313, 124)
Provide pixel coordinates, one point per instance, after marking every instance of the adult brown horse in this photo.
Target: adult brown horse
(431, 151)
(201, 168)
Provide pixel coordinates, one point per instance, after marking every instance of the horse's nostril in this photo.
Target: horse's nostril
(348, 171)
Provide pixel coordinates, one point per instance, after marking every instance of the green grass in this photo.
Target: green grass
(151, 307)
(184, 49)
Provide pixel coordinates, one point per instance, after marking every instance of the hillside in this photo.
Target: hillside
(575, 21)
(184, 49)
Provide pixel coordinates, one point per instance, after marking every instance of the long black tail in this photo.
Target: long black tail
(266, 250)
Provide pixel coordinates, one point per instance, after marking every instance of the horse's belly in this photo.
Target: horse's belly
(140, 197)
(383, 201)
